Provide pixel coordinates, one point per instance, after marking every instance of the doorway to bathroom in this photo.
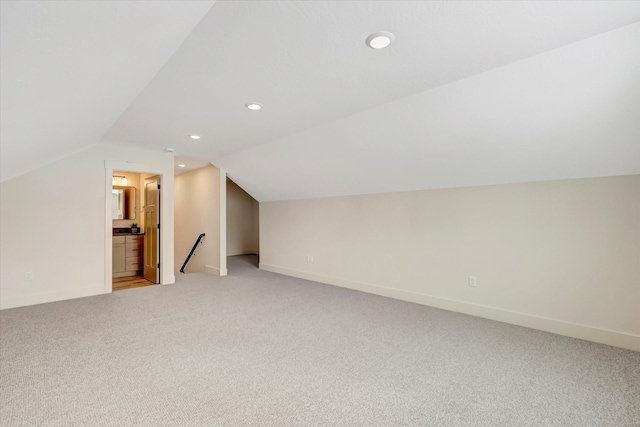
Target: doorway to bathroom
(135, 210)
(137, 251)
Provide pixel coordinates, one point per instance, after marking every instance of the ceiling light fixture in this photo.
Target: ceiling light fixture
(194, 136)
(254, 106)
(380, 39)
(181, 165)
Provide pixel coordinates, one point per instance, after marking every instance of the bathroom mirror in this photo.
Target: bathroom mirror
(123, 205)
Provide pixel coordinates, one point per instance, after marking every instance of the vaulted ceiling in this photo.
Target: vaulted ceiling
(469, 93)
(69, 69)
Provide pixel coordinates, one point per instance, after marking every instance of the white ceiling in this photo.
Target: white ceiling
(569, 113)
(469, 93)
(69, 69)
(190, 164)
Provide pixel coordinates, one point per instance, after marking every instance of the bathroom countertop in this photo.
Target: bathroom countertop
(125, 231)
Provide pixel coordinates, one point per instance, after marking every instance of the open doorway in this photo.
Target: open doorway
(199, 228)
(138, 175)
(135, 212)
(243, 228)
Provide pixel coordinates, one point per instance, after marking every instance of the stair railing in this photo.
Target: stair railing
(193, 249)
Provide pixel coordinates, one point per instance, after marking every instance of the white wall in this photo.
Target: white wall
(54, 223)
(561, 256)
(243, 229)
(198, 210)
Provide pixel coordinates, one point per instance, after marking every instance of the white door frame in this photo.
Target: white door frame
(223, 222)
(110, 166)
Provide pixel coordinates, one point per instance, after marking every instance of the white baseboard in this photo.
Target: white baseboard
(574, 330)
(34, 299)
(215, 270)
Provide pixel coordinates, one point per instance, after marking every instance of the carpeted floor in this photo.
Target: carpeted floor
(260, 349)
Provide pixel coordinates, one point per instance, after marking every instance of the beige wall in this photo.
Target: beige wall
(198, 210)
(55, 222)
(562, 256)
(243, 232)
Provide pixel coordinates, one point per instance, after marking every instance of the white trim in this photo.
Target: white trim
(209, 269)
(108, 241)
(575, 330)
(223, 222)
(129, 167)
(34, 299)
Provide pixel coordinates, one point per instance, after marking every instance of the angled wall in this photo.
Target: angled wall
(561, 256)
(243, 222)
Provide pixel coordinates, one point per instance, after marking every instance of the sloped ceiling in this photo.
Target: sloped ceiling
(469, 93)
(69, 69)
(570, 113)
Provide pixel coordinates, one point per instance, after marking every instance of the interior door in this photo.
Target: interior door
(152, 229)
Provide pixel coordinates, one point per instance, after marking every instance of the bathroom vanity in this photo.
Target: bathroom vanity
(128, 250)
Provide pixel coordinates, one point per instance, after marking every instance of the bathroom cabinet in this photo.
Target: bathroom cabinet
(118, 255)
(128, 253)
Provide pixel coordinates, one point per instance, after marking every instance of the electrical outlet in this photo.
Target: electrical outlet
(472, 281)
(309, 258)
(28, 276)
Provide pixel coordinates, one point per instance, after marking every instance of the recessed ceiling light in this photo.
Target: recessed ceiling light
(254, 106)
(194, 136)
(380, 39)
(181, 165)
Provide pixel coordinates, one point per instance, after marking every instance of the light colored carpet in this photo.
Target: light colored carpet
(257, 348)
